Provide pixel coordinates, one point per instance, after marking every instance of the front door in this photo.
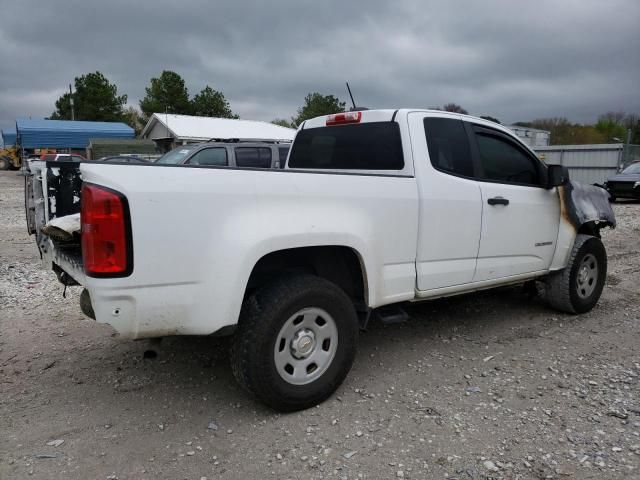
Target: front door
(520, 217)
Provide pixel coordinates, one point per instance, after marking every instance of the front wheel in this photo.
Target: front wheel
(578, 287)
(295, 343)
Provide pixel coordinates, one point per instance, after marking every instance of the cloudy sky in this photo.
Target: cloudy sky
(515, 60)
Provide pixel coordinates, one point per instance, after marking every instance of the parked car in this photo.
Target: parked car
(61, 157)
(373, 209)
(229, 154)
(625, 184)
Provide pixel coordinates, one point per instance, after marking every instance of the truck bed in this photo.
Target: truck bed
(182, 218)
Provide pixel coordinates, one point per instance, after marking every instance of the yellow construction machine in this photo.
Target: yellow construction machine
(9, 158)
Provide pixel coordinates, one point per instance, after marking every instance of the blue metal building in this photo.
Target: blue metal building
(8, 137)
(65, 133)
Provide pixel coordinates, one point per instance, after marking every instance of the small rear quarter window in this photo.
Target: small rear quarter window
(448, 146)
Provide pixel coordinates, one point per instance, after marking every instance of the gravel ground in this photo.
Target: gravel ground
(489, 385)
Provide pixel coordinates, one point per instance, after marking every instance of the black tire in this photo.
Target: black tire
(5, 164)
(563, 290)
(262, 319)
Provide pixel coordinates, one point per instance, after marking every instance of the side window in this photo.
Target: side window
(502, 161)
(210, 157)
(257, 157)
(448, 145)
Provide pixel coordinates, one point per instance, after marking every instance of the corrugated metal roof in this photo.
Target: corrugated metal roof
(203, 128)
(67, 134)
(8, 137)
(121, 141)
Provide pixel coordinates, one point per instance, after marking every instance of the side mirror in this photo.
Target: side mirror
(557, 175)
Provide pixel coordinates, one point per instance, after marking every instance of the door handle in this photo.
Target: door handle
(498, 201)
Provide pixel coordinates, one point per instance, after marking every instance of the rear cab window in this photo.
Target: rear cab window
(359, 146)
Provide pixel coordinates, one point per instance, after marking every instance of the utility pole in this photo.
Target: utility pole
(73, 114)
(627, 153)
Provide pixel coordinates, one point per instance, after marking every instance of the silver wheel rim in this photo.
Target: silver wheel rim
(587, 277)
(305, 346)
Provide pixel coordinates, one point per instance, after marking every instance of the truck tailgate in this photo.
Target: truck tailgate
(52, 191)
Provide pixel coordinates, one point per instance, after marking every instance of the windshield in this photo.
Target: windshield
(633, 168)
(177, 155)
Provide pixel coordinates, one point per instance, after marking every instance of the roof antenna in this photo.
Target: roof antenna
(354, 108)
(352, 101)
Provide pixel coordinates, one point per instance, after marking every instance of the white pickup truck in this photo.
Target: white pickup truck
(374, 208)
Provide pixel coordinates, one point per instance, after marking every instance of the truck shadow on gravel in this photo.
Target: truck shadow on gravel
(189, 367)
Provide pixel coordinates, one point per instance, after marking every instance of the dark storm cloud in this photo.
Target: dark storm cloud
(512, 60)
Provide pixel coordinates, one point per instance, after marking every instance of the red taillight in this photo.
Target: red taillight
(106, 239)
(346, 117)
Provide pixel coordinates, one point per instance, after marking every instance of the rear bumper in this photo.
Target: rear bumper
(141, 311)
(147, 311)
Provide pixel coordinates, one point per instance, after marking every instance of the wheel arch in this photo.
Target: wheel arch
(340, 264)
(593, 228)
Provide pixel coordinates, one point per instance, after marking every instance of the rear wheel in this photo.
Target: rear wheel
(5, 164)
(295, 342)
(578, 287)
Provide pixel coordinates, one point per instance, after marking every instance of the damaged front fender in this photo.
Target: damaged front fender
(586, 204)
(584, 209)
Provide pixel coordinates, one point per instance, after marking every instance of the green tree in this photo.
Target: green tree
(95, 98)
(282, 122)
(63, 108)
(563, 132)
(491, 119)
(166, 93)
(455, 108)
(559, 127)
(133, 118)
(211, 103)
(611, 127)
(315, 105)
(632, 122)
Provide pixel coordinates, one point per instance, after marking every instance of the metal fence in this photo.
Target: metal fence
(590, 164)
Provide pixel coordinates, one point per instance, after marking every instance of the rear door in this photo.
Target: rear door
(450, 201)
(520, 217)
